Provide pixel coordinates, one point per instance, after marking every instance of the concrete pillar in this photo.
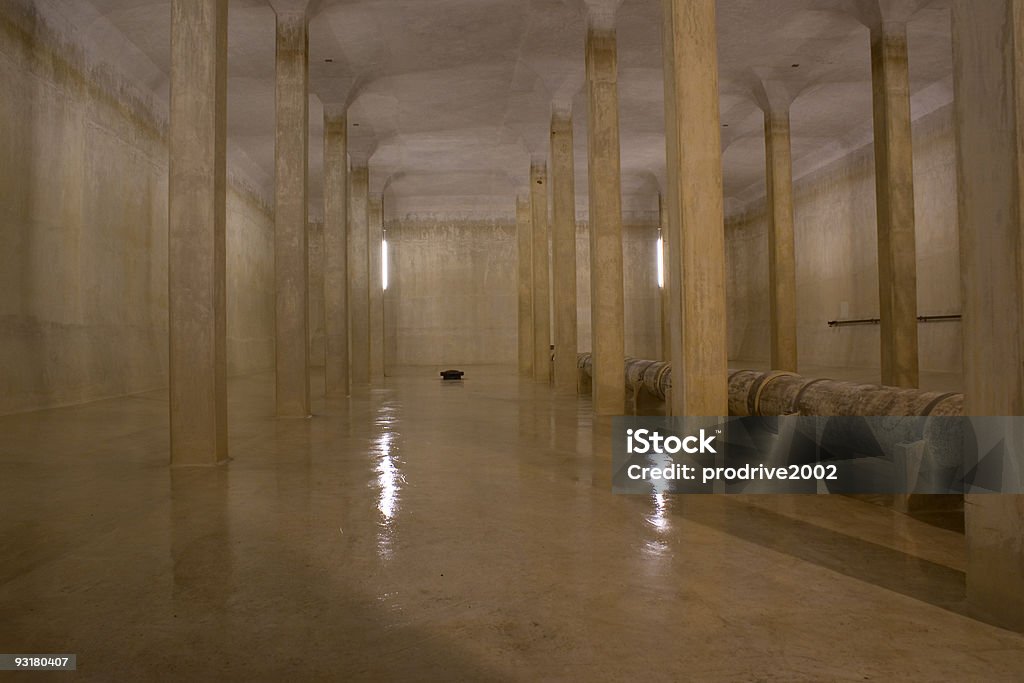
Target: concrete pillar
(988, 73)
(376, 271)
(563, 239)
(317, 342)
(894, 191)
(696, 217)
(606, 288)
(291, 254)
(336, 254)
(359, 274)
(541, 290)
(781, 253)
(665, 299)
(195, 234)
(524, 226)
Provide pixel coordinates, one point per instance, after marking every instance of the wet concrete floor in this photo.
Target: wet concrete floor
(423, 530)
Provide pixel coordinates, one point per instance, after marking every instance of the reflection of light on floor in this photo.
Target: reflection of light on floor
(658, 519)
(658, 547)
(389, 480)
(390, 602)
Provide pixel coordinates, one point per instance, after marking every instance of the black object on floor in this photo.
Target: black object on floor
(452, 374)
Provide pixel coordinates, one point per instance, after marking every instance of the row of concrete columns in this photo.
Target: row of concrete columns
(353, 230)
(895, 202)
(696, 286)
(606, 260)
(536, 240)
(988, 41)
(894, 182)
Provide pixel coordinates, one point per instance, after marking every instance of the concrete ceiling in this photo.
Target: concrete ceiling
(450, 99)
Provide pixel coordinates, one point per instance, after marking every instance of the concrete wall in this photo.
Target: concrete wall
(640, 288)
(452, 293)
(83, 234)
(837, 260)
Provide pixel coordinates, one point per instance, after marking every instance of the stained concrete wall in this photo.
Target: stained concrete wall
(83, 234)
(837, 260)
(452, 295)
(640, 287)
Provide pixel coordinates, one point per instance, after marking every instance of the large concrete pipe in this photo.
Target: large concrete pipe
(647, 382)
(782, 393)
(930, 448)
(937, 442)
(752, 392)
(652, 376)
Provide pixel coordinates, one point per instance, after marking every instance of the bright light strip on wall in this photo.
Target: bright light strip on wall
(661, 263)
(384, 263)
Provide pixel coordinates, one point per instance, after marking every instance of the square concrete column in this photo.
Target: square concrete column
(988, 73)
(664, 297)
(781, 251)
(291, 254)
(696, 217)
(336, 254)
(376, 270)
(563, 238)
(359, 274)
(608, 345)
(894, 191)
(524, 228)
(196, 232)
(541, 289)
